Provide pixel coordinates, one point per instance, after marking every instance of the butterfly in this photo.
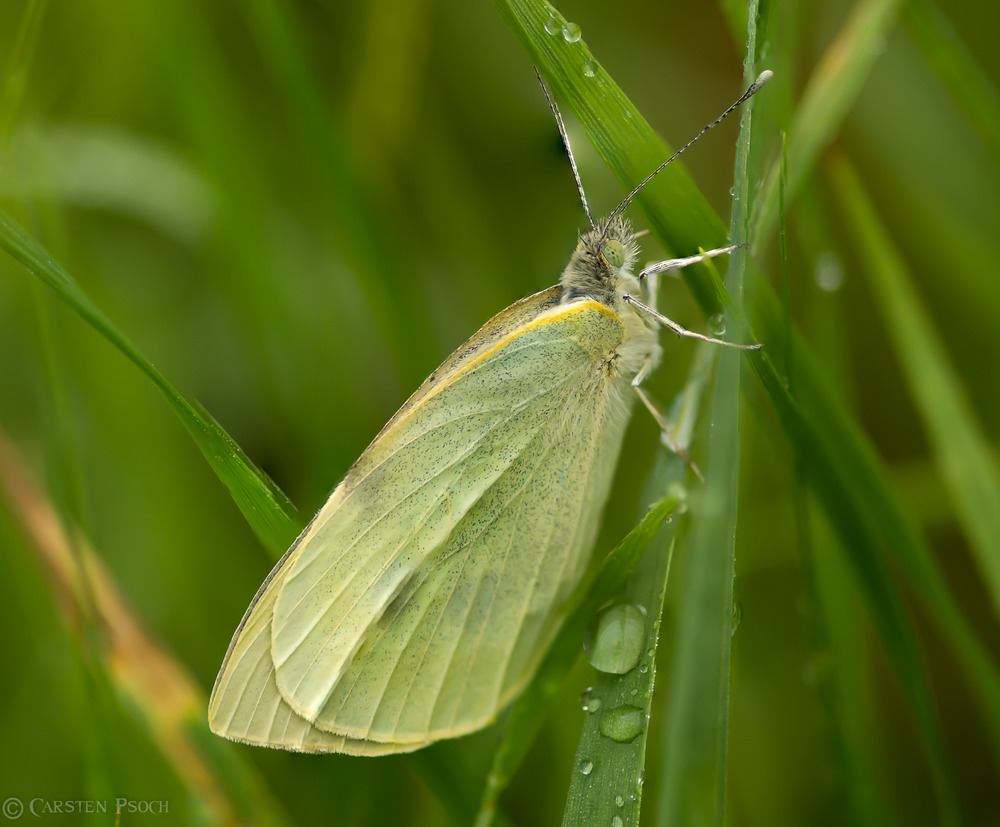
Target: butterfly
(420, 599)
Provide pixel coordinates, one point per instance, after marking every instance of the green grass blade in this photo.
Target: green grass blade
(829, 95)
(963, 452)
(263, 505)
(606, 781)
(695, 762)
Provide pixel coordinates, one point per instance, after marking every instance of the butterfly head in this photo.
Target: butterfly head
(601, 266)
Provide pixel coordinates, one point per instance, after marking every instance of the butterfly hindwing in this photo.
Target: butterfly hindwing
(246, 705)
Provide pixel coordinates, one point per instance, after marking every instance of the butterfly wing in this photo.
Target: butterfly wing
(246, 705)
(424, 592)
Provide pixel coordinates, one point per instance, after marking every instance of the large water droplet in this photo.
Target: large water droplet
(571, 32)
(617, 821)
(622, 724)
(615, 638)
(586, 767)
(619, 801)
(553, 25)
(717, 323)
(589, 68)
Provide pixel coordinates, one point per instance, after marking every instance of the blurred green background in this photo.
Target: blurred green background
(296, 210)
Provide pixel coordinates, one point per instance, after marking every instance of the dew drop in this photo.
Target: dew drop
(619, 801)
(588, 68)
(622, 723)
(614, 638)
(571, 32)
(586, 767)
(553, 26)
(717, 323)
(737, 616)
(617, 821)
(588, 701)
(829, 273)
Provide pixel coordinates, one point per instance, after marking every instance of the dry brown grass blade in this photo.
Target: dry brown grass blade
(137, 665)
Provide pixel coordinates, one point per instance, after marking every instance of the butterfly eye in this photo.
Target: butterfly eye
(614, 253)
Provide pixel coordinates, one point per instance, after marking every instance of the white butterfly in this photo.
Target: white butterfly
(421, 597)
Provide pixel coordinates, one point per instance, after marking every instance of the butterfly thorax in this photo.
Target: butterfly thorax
(601, 269)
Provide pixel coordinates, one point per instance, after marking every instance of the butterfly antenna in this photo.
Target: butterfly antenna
(762, 78)
(569, 149)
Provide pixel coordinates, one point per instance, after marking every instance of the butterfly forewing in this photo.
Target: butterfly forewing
(423, 594)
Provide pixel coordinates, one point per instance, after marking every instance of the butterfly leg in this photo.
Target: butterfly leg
(674, 264)
(664, 426)
(683, 331)
(678, 263)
